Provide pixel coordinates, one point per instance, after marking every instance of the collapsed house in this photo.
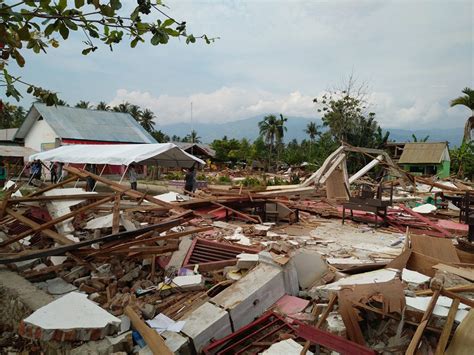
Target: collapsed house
(240, 270)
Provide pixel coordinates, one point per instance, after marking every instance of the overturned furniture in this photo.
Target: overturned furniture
(369, 201)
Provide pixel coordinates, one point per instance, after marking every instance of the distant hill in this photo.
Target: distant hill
(248, 128)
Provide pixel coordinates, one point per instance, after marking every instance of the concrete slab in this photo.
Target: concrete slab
(249, 297)
(205, 323)
(310, 267)
(58, 286)
(71, 311)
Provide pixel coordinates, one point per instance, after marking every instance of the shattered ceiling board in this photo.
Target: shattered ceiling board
(390, 294)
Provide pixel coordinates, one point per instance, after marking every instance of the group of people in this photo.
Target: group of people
(55, 170)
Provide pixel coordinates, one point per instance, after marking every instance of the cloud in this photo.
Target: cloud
(222, 105)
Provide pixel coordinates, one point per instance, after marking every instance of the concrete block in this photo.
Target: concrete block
(247, 261)
(249, 297)
(176, 342)
(310, 267)
(205, 323)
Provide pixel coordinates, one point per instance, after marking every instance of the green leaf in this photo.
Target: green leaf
(86, 51)
(23, 33)
(116, 4)
(70, 24)
(63, 30)
(49, 29)
(62, 4)
(155, 40)
(79, 3)
(168, 22)
(19, 58)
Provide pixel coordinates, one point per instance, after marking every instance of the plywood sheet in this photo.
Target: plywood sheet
(335, 188)
(463, 341)
(438, 248)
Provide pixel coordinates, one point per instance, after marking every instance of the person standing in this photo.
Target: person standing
(90, 182)
(189, 180)
(53, 169)
(3, 173)
(38, 169)
(132, 174)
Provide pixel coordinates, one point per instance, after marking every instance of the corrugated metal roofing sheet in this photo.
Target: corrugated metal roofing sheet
(84, 124)
(15, 151)
(423, 153)
(7, 134)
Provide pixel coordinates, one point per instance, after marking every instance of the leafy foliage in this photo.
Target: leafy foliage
(462, 160)
(36, 26)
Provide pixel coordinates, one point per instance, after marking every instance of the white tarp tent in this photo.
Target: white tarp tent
(162, 154)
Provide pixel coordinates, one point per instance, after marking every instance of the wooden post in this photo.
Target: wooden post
(413, 346)
(443, 339)
(332, 302)
(116, 214)
(154, 340)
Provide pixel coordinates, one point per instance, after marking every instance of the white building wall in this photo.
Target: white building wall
(40, 134)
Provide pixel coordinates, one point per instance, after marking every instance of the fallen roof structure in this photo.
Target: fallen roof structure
(163, 154)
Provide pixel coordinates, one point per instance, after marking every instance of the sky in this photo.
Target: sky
(276, 56)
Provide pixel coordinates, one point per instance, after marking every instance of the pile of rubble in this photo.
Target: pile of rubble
(238, 271)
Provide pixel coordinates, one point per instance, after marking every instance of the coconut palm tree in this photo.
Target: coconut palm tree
(83, 104)
(269, 131)
(420, 140)
(312, 130)
(102, 106)
(135, 111)
(193, 137)
(123, 107)
(280, 134)
(147, 120)
(468, 101)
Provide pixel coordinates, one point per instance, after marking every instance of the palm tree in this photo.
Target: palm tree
(312, 130)
(280, 134)
(102, 106)
(83, 104)
(419, 140)
(123, 107)
(135, 111)
(269, 131)
(147, 120)
(193, 137)
(468, 101)
(61, 103)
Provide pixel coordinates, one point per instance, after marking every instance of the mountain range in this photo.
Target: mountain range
(248, 128)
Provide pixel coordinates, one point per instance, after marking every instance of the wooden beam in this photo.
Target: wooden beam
(443, 339)
(243, 215)
(53, 186)
(118, 187)
(332, 302)
(61, 250)
(61, 239)
(60, 197)
(5, 201)
(154, 341)
(40, 227)
(415, 340)
(116, 213)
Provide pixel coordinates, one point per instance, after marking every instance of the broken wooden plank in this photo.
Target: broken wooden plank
(463, 272)
(413, 346)
(154, 341)
(61, 250)
(73, 197)
(53, 186)
(118, 187)
(443, 339)
(116, 214)
(243, 215)
(430, 224)
(61, 239)
(40, 227)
